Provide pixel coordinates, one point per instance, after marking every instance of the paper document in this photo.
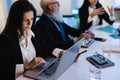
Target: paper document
(108, 29)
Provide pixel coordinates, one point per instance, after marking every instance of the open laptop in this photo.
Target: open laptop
(58, 65)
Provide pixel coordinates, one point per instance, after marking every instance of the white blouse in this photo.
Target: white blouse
(95, 19)
(28, 53)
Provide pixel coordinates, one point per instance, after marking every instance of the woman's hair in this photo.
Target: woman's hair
(86, 3)
(15, 17)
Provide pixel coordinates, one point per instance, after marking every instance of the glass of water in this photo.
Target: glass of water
(107, 50)
(94, 73)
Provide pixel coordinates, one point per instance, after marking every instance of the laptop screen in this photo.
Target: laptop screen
(65, 62)
(67, 59)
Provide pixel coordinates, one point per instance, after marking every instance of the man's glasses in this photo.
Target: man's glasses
(55, 2)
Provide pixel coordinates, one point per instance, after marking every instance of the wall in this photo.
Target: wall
(2, 14)
(68, 5)
(80, 2)
(64, 4)
(117, 3)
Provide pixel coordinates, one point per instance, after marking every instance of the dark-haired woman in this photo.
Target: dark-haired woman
(18, 45)
(92, 13)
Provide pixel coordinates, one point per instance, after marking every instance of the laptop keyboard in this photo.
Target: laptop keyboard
(50, 70)
(48, 61)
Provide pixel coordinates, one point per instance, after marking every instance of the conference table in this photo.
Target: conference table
(79, 70)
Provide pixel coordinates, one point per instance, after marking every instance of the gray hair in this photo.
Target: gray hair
(44, 3)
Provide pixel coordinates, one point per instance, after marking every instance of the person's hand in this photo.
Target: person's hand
(90, 33)
(39, 60)
(83, 35)
(61, 53)
(98, 11)
(34, 62)
(110, 9)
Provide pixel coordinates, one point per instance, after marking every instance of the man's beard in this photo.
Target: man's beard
(57, 16)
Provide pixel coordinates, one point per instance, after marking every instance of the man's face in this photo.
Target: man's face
(54, 5)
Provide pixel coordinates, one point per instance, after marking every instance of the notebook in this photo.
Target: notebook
(100, 61)
(59, 64)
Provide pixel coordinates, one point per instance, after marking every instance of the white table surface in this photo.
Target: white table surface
(80, 69)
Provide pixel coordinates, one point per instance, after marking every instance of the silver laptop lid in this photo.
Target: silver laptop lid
(65, 62)
(67, 59)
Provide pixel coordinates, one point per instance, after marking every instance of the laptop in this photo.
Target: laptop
(57, 66)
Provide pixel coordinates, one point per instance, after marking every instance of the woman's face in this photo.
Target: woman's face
(93, 2)
(27, 20)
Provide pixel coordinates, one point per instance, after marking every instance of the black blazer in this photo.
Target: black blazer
(11, 55)
(47, 29)
(84, 14)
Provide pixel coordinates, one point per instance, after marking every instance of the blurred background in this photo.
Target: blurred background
(68, 7)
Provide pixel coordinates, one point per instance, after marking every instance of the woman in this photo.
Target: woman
(21, 40)
(92, 13)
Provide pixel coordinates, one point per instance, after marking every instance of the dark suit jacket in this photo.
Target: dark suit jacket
(10, 55)
(84, 14)
(47, 29)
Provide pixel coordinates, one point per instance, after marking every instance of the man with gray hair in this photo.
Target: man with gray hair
(52, 27)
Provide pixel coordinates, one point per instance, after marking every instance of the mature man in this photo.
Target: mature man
(52, 27)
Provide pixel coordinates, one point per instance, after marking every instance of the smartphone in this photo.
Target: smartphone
(100, 39)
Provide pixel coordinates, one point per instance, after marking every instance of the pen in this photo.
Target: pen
(79, 55)
(82, 52)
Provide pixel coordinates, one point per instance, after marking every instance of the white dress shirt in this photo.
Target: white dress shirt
(28, 53)
(95, 19)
